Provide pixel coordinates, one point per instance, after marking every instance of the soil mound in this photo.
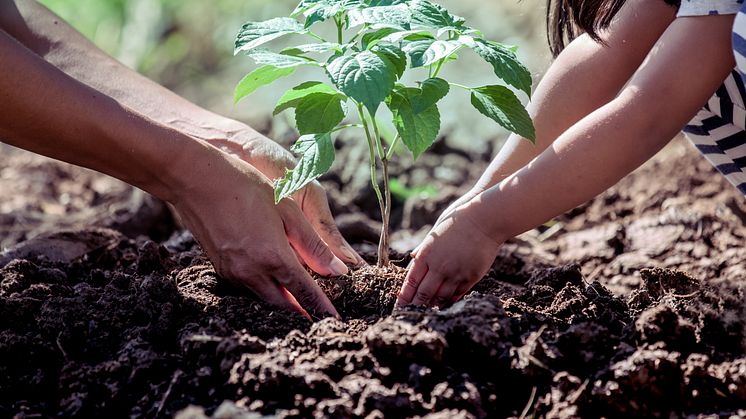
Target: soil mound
(631, 306)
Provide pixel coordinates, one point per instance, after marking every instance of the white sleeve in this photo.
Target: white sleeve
(708, 7)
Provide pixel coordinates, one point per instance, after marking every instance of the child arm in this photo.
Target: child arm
(584, 77)
(687, 64)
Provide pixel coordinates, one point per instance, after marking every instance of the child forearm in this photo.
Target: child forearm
(584, 77)
(608, 144)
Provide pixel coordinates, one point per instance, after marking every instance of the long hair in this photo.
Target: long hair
(567, 19)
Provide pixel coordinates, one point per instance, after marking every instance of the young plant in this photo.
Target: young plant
(377, 43)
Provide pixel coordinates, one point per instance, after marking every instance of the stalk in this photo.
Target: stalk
(338, 21)
(383, 244)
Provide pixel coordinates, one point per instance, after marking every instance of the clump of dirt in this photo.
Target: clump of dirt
(40, 195)
(368, 293)
(595, 317)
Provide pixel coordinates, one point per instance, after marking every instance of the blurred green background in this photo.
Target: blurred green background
(186, 45)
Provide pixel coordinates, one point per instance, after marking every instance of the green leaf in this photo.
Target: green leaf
(397, 16)
(316, 158)
(428, 14)
(292, 97)
(416, 51)
(503, 61)
(424, 52)
(371, 38)
(258, 78)
(254, 34)
(431, 92)
(413, 34)
(417, 125)
(304, 5)
(318, 113)
(365, 76)
(322, 10)
(439, 50)
(374, 3)
(394, 54)
(318, 48)
(267, 57)
(501, 104)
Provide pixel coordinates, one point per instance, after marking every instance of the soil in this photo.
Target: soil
(632, 305)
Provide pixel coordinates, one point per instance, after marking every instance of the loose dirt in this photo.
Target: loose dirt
(632, 305)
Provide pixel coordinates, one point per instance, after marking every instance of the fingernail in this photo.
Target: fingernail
(348, 254)
(338, 267)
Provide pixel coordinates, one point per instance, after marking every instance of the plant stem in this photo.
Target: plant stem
(313, 35)
(357, 35)
(338, 21)
(379, 144)
(443, 61)
(461, 86)
(383, 252)
(383, 244)
(345, 126)
(437, 68)
(392, 147)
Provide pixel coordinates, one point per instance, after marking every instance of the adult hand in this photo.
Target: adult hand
(272, 160)
(229, 206)
(453, 257)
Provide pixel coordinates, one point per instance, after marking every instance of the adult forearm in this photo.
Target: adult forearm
(584, 77)
(48, 112)
(46, 34)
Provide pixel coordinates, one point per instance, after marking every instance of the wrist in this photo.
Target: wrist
(155, 158)
(482, 214)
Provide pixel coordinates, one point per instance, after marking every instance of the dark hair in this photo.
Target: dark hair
(566, 19)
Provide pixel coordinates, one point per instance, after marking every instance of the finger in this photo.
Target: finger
(445, 294)
(415, 251)
(460, 291)
(304, 240)
(305, 290)
(428, 288)
(276, 295)
(417, 271)
(315, 206)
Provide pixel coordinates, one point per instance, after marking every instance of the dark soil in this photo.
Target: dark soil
(593, 316)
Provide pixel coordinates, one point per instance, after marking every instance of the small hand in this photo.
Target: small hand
(229, 206)
(453, 257)
(465, 198)
(271, 159)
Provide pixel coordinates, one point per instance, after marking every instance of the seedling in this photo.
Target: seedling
(378, 42)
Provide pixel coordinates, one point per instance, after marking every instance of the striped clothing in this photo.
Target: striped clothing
(719, 129)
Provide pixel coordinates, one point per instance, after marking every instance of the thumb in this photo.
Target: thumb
(315, 206)
(308, 245)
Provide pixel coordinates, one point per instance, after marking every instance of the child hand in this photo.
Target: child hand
(453, 257)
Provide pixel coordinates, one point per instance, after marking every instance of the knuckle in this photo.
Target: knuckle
(319, 249)
(307, 297)
(440, 268)
(273, 264)
(273, 260)
(410, 285)
(413, 281)
(423, 295)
